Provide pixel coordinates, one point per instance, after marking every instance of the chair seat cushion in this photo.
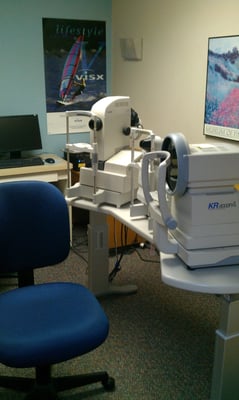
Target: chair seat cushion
(49, 323)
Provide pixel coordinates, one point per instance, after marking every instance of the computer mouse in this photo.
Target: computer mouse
(49, 160)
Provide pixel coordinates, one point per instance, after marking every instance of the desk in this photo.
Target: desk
(222, 281)
(54, 173)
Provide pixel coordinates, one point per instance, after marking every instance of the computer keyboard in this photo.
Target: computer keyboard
(21, 162)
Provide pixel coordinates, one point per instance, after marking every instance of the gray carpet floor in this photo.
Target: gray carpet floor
(161, 339)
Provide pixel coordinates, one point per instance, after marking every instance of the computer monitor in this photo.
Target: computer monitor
(19, 133)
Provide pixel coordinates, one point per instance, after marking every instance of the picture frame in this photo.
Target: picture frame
(221, 117)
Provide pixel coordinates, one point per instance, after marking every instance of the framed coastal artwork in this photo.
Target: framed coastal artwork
(221, 117)
(75, 68)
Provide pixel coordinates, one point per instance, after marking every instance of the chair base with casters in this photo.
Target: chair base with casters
(57, 305)
(47, 323)
(46, 387)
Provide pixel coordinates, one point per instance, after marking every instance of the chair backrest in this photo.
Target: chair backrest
(34, 226)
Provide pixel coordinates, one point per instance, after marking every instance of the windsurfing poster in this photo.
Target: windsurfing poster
(75, 69)
(221, 118)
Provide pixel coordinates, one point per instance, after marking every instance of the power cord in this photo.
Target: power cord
(125, 250)
(79, 241)
(116, 269)
(117, 266)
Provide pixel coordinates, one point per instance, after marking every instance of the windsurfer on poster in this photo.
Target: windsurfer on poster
(71, 86)
(80, 86)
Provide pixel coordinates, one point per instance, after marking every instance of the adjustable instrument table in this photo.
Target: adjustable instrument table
(223, 281)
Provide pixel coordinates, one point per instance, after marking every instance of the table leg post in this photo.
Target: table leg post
(70, 224)
(98, 260)
(225, 381)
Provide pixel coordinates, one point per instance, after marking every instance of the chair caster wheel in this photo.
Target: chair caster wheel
(109, 385)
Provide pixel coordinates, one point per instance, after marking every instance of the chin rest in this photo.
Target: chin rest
(46, 323)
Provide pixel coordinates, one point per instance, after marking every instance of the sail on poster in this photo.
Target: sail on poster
(75, 69)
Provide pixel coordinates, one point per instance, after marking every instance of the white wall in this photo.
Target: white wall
(167, 87)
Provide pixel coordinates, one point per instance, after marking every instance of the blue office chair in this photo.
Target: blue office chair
(47, 323)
